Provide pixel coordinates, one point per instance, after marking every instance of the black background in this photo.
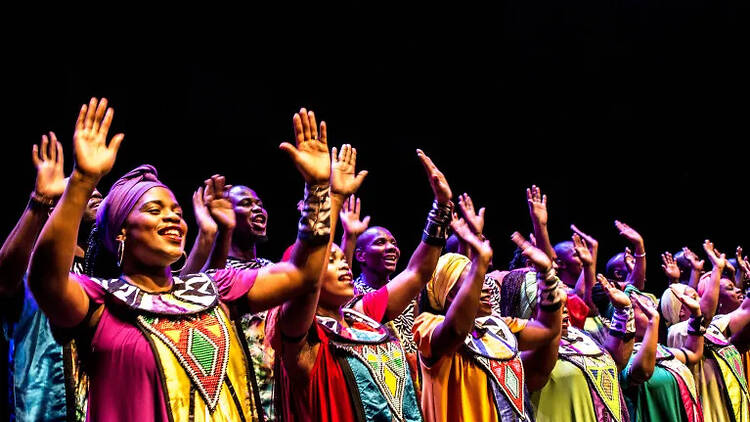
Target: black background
(634, 110)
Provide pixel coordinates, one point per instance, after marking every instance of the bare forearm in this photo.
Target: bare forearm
(16, 251)
(542, 239)
(619, 350)
(695, 276)
(638, 276)
(710, 298)
(644, 360)
(220, 251)
(542, 331)
(539, 364)
(348, 244)
(406, 286)
(199, 254)
(53, 256)
(694, 347)
(463, 311)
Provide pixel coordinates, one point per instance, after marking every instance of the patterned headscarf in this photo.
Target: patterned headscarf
(122, 197)
(446, 274)
(671, 304)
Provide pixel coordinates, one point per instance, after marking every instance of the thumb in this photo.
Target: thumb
(481, 212)
(289, 149)
(361, 177)
(114, 144)
(366, 221)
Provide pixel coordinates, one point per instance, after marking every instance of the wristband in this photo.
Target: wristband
(695, 326)
(550, 297)
(40, 200)
(643, 255)
(623, 323)
(315, 225)
(438, 220)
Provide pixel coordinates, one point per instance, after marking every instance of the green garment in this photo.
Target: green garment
(567, 385)
(658, 399)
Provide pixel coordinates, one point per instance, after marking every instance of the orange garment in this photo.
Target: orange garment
(454, 388)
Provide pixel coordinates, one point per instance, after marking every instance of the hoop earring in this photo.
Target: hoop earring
(120, 251)
(177, 271)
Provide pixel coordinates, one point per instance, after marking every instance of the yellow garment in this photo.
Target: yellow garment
(566, 396)
(711, 384)
(178, 385)
(454, 388)
(447, 271)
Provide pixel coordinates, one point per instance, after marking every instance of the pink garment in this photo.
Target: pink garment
(125, 380)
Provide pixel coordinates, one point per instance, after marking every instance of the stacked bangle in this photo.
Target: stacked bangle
(623, 323)
(695, 326)
(40, 200)
(438, 220)
(315, 225)
(550, 297)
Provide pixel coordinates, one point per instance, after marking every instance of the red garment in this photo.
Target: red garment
(578, 311)
(325, 397)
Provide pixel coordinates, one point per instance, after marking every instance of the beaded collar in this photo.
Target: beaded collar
(361, 329)
(578, 343)
(491, 338)
(190, 295)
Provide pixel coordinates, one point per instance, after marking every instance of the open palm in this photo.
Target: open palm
(344, 180)
(310, 155)
(93, 156)
(48, 160)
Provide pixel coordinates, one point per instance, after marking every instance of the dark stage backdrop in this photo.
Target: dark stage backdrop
(629, 110)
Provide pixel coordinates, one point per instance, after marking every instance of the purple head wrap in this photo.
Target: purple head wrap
(122, 197)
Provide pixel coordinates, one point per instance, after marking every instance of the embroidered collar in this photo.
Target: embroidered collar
(191, 295)
(578, 343)
(491, 338)
(361, 329)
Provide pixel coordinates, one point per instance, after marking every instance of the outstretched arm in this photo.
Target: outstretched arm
(710, 296)
(693, 351)
(587, 279)
(670, 268)
(60, 297)
(644, 361)
(637, 276)
(696, 267)
(403, 288)
(460, 316)
(619, 342)
(206, 237)
(50, 184)
(538, 211)
(352, 225)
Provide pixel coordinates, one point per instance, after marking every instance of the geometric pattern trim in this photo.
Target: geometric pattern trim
(387, 365)
(578, 343)
(191, 295)
(509, 376)
(685, 378)
(731, 356)
(201, 345)
(361, 329)
(601, 372)
(491, 338)
(401, 325)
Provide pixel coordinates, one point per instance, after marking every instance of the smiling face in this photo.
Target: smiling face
(377, 251)
(337, 287)
(154, 231)
(248, 208)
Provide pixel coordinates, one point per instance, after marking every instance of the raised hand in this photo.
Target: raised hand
(439, 185)
(669, 266)
(743, 263)
(350, 217)
(93, 156)
(592, 243)
(582, 250)
(473, 219)
(537, 204)
(695, 262)
(718, 260)
(203, 217)
(541, 261)
(465, 233)
(690, 302)
(344, 180)
(646, 306)
(48, 160)
(629, 233)
(618, 298)
(215, 198)
(310, 155)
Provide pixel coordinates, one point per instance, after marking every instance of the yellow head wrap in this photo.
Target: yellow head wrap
(446, 274)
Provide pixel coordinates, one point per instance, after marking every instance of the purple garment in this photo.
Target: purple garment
(122, 197)
(125, 379)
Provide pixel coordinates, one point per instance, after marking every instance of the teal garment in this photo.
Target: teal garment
(375, 406)
(35, 365)
(658, 399)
